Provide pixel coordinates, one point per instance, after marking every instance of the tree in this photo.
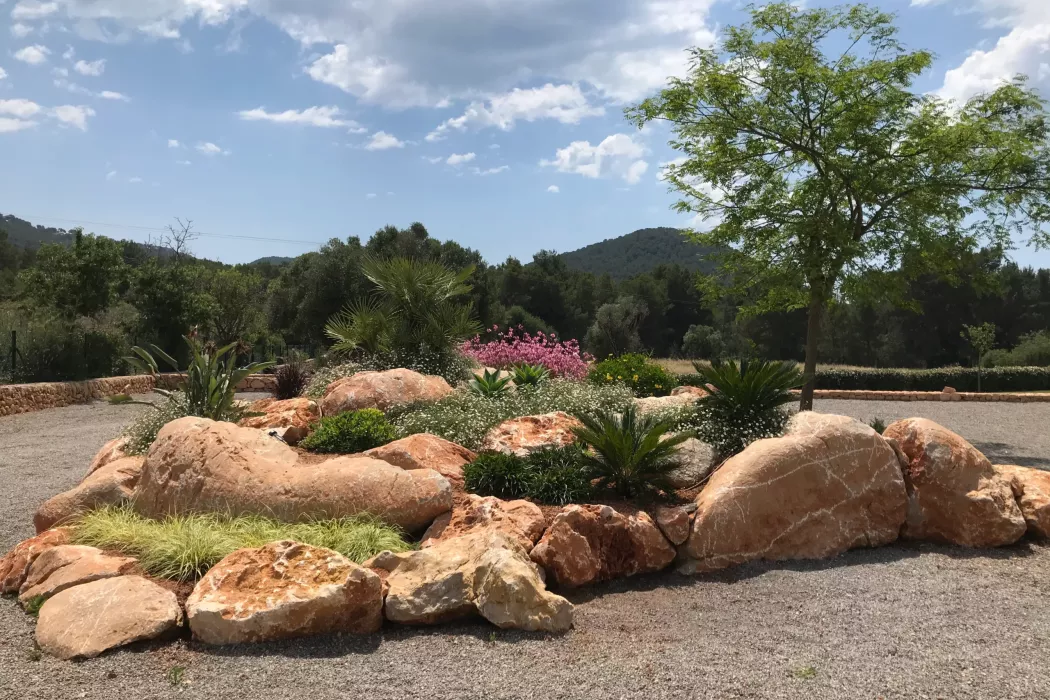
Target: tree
(615, 328)
(77, 280)
(238, 304)
(982, 339)
(813, 162)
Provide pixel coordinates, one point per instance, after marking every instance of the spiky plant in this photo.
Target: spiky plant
(292, 377)
(529, 375)
(490, 384)
(630, 453)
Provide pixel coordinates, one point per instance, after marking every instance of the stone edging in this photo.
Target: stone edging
(948, 394)
(26, 398)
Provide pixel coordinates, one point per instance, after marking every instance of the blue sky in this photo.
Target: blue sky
(497, 123)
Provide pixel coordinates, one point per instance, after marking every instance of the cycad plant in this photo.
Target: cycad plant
(744, 402)
(490, 384)
(209, 383)
(630, 453)
(416, 306)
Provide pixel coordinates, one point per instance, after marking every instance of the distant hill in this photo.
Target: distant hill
(639, 252)
(273, 260)
(26, 235)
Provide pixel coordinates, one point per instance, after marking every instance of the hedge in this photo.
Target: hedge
(993, 379)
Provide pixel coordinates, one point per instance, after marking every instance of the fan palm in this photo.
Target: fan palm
(630, 453)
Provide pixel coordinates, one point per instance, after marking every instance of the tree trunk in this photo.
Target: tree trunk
(816, 312)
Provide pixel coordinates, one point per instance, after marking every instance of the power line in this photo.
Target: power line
(31, 217)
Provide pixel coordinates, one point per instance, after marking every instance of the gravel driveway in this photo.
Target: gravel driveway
(898, 622)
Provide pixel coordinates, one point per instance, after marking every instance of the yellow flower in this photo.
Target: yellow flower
(636, 377)
(619, 377)
(608, 377)
(659, 387)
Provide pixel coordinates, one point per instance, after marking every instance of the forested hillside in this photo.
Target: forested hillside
(26, 235)
(639, 252)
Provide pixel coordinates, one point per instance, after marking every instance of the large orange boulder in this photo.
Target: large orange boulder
(588, 544)
(199, 465)
(425, 451)
(382, 390)
(291, 418)
(86, 620)
(282, 591)
(15, 565)
(111, 484)
(110, 452)
(954, 494)
(521, 520)
(70, 565)
(525, 435)
(1031, 489)
(830, 485)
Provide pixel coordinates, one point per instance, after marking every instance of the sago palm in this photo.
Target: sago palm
(750, 387)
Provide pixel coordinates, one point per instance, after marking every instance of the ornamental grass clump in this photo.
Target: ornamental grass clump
(515, 346)
(184, 547)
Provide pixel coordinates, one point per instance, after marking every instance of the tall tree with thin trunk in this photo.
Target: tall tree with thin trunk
(811, 162)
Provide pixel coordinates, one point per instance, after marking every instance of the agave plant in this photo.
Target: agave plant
(630, 453)
(529, 375)
(209, 382)
(490, 384)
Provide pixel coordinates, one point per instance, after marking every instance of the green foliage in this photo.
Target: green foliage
(350, 432)
(615, 330)
(638, 253)
(1032, 351)
(33, 605)
(878, 425)
(552, 476)
(323, 376)
(530, 375)
(1003, 379)
(703, 342)
(209, 382)
(982, 339)
(184, 547)
(292, 377)
(465, 418)
(490, 384)
(629, 453)
(745, 404)
(53, 348)
(76, 280)
(143, 431)
(634, 370)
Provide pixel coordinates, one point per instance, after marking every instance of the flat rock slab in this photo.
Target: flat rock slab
(282, 591)
(67, 566)
(14, 567)
(86, 620)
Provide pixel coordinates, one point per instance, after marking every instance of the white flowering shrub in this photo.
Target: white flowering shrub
(324, 376)
(465, 418)
(143, 431)
(730, 433)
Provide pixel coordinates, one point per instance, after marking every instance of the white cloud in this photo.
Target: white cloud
(21, 109)
(33, 55)
(110, 95)
(174, 143)
(554, 189)
(3, 73)
(73, 115)
(210, 149)
(9, 125)
(60, 72)
(371, 195)
(564, 103)
(183, 162)
(134, 180)
(460, 158)
(111, 174)
(69, 53)
(311, 116)
(20, 31)
(28, 9)
(90, 68)
(490, 171)
(371, 79)
(433, 160)
(617, 156)
(381, 141)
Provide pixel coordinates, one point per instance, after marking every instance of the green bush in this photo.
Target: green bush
(184, 547)
(1032, 351)
(55, 349)
(634, 370)
(465, 419)
(552, 476)
(142, 433)
(350, 432)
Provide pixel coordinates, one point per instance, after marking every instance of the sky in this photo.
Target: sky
(276, 125)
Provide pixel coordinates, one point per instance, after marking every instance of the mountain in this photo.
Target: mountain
(25, 235)
(277, 260)
(639, 252)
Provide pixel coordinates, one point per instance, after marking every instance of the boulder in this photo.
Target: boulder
(425, 451)
(14, 567)
(199, 465)
(663, 404)
(831, 485)
(698, 460)
(1031, 489)
(521, 520)
(588, 544)
(284, 590)
(111, 484)
(70, 565)
(675, 521)
(484, 572)
(695, 391)
(954, 495)
(291, 417)
(84, 621)
(382, 390)
(522, 436)
(110, 452)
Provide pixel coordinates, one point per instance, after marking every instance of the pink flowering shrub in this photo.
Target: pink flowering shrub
(515, 346)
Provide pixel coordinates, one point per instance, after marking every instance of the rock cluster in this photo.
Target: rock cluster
(382, 390)
(424, 451)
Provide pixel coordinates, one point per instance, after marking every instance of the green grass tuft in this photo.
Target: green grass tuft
(33, 605)
(184, 547)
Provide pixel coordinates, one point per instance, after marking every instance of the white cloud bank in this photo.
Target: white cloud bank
(325, 117)
(618, 155)
(382, 141)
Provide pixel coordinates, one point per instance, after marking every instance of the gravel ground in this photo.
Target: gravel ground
(898, 622)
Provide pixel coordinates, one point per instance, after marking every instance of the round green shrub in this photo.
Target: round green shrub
(497, 474)
(636, 371)
(350, 432)
(558, 476)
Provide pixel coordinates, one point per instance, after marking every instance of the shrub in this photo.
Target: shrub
(291, 377)
(746, 402)
(703, 342)
(350, 432)
(324, 376)
(464, 418)
(878, 425)
(632, 454)
(142, 433)
(55, 349)
(615, 330)
(896, 379)
(1032, 351)
(184, 547)
(530, 375)
(644, 377)
(515, 346)
(497, 474)
(489, 385)
(552, 476)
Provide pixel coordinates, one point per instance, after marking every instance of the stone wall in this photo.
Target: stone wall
(24, 398)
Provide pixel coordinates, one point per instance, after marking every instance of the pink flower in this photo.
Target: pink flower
(516, 346)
